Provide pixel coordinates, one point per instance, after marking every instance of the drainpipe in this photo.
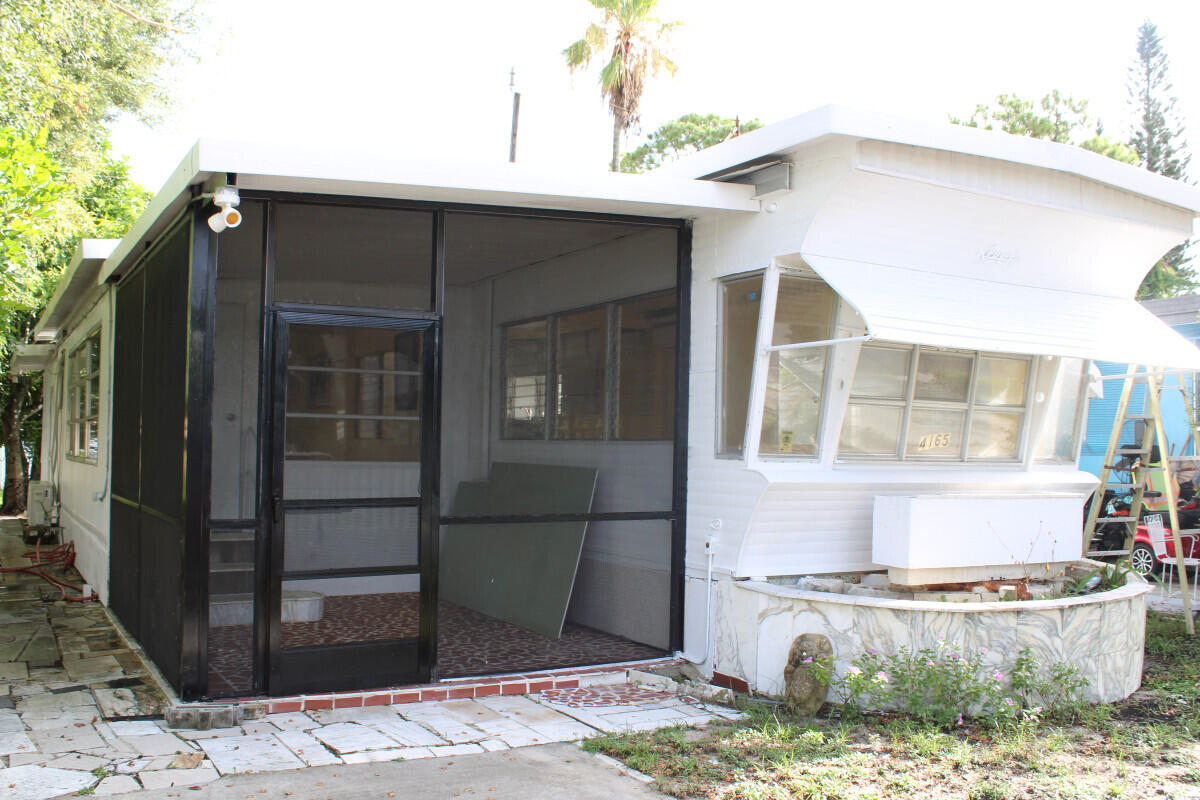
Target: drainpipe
(709, 548)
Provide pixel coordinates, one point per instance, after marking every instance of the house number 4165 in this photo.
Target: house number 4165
(933, 441)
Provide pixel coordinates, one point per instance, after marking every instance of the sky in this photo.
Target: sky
(431, 80)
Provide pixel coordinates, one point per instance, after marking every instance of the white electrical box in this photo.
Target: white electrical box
(40, 506)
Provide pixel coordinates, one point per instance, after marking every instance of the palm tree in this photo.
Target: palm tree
(630, 33)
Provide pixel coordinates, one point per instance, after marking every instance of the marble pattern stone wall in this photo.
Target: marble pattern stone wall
(1101, 634)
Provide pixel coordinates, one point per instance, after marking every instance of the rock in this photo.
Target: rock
(877, 579)
(805, 680)
(811, 584)
(881, 594)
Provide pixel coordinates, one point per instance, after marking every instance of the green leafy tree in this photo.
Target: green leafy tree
(1057, 117)
(67, 69)
(628, 35)
(679, 137)
(1158, 140)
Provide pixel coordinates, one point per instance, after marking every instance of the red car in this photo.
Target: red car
(1142, 558)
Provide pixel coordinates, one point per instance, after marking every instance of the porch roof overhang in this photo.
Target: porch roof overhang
(272, 167)
(31, 358)
(914, 306)
(77, 281)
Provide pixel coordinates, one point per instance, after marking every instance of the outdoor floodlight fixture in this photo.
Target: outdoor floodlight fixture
(227, 216)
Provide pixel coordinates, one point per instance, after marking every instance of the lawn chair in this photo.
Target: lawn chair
(1158, 540)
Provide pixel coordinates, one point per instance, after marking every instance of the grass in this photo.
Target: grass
(1142, 747)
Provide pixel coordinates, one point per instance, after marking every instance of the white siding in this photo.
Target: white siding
(83, 488)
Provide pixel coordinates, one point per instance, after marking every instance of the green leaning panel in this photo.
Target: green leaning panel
(521, 572)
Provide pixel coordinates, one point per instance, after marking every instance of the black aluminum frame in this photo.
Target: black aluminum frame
(267, 603)
(376, 663)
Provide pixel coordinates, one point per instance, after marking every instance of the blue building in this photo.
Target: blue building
(1183, 315)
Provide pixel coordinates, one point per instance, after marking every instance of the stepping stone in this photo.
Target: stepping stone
(15, 742)
(94, 669)
(32, 782)
(54, 700)
(166, 778)
(405, 732)
(249, 754)
(307, 748)
(117, 784)
(350, 737)
(64, 740)
(117, 702)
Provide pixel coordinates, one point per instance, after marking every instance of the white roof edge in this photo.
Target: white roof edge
(278, 167)
(836, 120)
(85, 262)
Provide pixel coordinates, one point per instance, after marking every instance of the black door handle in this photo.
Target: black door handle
(277, 509)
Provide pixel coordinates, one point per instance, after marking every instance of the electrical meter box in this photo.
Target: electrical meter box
(40, 508)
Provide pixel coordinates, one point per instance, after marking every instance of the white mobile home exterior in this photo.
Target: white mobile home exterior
(879, 315)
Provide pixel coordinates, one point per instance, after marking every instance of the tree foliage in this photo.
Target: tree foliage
(1158, 139)
(679, 137)
(67, 69)
(628, 35)
(1057, 117)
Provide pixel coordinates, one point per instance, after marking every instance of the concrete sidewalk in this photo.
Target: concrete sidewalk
(548, 772)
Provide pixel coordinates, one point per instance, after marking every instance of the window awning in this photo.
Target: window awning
(937, 309)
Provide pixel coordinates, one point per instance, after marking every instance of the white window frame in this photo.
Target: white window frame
(1032, 423)
(77, 417)
(763, 349)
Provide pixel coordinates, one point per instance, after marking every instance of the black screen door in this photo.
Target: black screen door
(354, 446)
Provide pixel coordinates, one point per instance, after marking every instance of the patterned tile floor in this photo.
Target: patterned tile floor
(80, 713)
(469, 643)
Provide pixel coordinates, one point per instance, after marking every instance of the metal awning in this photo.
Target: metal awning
(913, 306)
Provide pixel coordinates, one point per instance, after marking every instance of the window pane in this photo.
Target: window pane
(935, 432)
(882, 372)
(739, 318)
(994, 434)
(1001, 382)
(943, 377)
(93, 439)
(580, 354)
(646, 371)
(803, 311)
(792, 407)
(870, 430)
(525, 381)
(1058, 441)
(92, 354)
(345, 256)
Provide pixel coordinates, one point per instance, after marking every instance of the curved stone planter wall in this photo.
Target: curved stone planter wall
(1101, 634)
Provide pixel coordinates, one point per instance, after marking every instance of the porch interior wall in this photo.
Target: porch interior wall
(622, 585)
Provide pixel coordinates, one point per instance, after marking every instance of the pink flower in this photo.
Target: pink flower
(929, 663)
(872, 651)
(960, 721)
(881, 677)
(807, 660)
(983, 651)
(996, 674)
(854, 671)
(1008, 701)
